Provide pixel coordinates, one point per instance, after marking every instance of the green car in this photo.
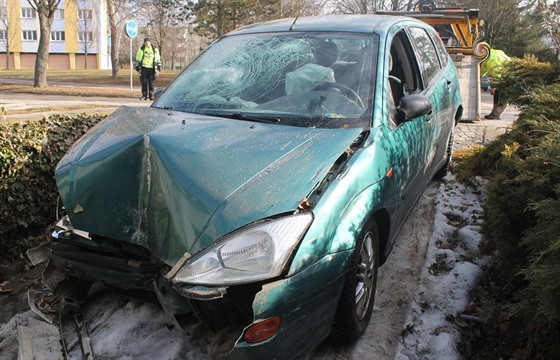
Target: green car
(267, 183)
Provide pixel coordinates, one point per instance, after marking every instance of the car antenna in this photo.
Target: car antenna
(297, 16)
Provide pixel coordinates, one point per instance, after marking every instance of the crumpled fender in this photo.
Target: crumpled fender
(339, 217)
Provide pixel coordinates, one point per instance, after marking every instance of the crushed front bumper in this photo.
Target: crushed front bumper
(305, 302)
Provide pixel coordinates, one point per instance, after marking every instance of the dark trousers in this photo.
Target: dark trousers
(499, 105)
(147, 77)
(497, 98)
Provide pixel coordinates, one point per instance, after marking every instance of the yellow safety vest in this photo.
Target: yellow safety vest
(148, 57)
(494, 64)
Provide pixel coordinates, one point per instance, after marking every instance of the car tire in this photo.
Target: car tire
(442, 172)
(358, 294)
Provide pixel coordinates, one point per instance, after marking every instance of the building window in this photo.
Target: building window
(85, 14)
(57, 35)
(3, 35)
(27, 13)
(59, 14)
(85, 36)
(30, 35)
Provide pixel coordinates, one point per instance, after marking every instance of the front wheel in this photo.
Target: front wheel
(358, 294)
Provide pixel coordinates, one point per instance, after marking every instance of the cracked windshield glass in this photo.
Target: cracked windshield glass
(299, 79)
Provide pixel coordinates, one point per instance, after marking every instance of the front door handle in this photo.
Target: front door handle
(429, 115)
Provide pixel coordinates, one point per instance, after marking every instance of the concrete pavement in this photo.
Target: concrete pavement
(484, 131)
(24, 106)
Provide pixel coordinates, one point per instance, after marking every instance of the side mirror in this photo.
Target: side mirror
(412, 107)
(158, 92)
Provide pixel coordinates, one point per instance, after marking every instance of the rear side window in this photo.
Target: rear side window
(426, 52)
(443, 57)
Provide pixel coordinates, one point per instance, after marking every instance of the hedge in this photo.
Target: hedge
(29, 152)
(521, 225)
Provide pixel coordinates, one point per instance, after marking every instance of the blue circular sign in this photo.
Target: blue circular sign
(131, 28)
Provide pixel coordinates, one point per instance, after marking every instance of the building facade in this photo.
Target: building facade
(79, 35)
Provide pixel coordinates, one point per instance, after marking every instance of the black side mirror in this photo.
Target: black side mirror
(413, 106)
(158, 92)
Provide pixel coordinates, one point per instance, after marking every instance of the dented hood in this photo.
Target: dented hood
(175, 182)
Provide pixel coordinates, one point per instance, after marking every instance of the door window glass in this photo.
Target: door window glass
(427, 52)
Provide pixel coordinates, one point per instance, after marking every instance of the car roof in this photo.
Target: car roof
(329, 23)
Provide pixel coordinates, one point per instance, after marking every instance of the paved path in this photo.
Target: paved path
(484, 131)
(18, 103)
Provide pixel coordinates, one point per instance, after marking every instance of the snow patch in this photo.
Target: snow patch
(451, 270)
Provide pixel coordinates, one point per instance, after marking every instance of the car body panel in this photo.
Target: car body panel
(306, 300)
(136, 179)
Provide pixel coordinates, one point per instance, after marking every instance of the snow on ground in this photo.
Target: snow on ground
(453, 265)
(414, 298)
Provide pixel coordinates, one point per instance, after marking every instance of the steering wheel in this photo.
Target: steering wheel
(345, 90)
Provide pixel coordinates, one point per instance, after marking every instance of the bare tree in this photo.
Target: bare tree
(551, 22)
(88, 17)
(292, 8)
(45, 10)
(7, 36)
(369, 6)
(119, 11)
(112, 14)
(163, 18)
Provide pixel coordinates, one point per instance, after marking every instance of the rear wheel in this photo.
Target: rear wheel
(442, 172)
(358, 294)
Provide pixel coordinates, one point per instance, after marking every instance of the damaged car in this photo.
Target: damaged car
(266, 184)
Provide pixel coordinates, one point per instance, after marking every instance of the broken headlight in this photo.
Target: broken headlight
(257, 253)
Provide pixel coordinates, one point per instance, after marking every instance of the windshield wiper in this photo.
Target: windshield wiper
(243, 116)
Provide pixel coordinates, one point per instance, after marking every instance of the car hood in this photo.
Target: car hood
(175, 182)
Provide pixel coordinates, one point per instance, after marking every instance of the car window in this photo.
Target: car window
(442, 53)
(304, 79)
(404, 71)
(426, 52)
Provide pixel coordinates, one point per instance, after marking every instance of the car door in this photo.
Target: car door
(408, 139)
(438, 86)
(452, 93)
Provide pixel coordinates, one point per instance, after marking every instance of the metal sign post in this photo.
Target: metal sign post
(130, 64)
(131, 30)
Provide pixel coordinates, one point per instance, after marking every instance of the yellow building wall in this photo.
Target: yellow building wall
(73, 60)
(71, 25)
(14, 22)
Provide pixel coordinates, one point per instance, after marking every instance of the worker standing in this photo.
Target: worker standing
(148, 64)
(492, 67)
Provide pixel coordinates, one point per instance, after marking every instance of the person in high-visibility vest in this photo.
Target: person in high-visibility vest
(492, 67)
(148, 64)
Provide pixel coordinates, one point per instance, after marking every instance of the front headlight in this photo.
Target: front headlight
(256, 253)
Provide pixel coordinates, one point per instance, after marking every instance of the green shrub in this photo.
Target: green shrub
(29, 153)
(524, 75)
(521, 224)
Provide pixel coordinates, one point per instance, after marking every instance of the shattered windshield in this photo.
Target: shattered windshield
(300, 79)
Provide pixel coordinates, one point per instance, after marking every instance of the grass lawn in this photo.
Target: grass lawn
(81, 77)
(88, 76)
(69, 90)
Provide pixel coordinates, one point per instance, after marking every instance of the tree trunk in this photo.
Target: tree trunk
(42, 59)
(7, 55)
(114, 39)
